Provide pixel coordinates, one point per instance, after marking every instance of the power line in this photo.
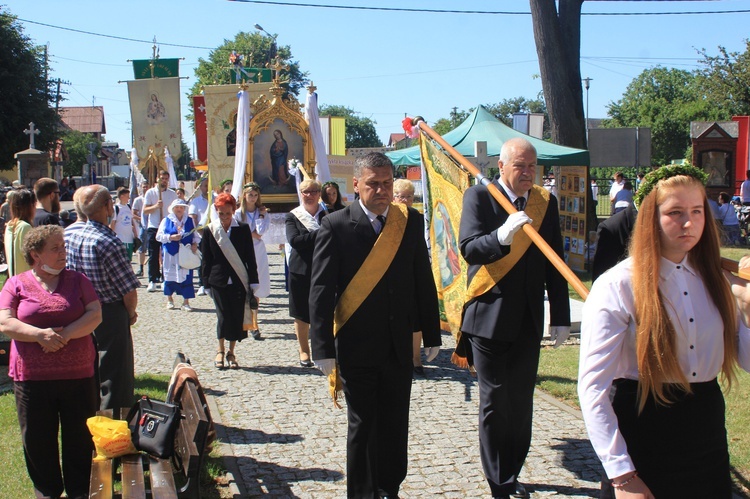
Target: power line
(150, 42)
(483, 12)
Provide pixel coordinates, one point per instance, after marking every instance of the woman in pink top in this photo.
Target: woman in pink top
(50, 313)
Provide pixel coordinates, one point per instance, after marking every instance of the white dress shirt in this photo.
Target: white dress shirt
(376, 225)
(608, 346)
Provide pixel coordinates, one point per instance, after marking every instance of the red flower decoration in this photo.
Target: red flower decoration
(409, 128)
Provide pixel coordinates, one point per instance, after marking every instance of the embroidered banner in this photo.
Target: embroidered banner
(221, 103)
(444, 186)
(155, 115)
(163, 68)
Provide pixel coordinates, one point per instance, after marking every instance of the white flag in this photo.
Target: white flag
(316, 135)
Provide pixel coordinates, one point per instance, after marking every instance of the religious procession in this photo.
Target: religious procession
(483, 310)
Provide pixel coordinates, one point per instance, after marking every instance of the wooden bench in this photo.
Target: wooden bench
(190, 448)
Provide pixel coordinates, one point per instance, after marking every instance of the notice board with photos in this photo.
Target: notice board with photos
(571, 192)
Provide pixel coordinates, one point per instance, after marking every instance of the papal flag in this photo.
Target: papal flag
(155, 115)
(444, 184)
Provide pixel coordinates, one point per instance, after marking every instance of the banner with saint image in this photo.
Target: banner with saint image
(156, 119)
(444, 185)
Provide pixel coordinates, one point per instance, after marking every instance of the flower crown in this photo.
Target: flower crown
(665, 172)
(251, 185)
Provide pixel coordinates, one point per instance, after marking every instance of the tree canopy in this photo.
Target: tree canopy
(725, 79)
(665, 100)
(360, 130)
(256, 50)
(503, 110)
(76, 143)
(26, 96)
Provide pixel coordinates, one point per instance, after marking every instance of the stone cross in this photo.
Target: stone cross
(480, 159)
(31, 132)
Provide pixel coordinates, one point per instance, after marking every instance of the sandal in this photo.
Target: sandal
(232, 360)
(219, 360)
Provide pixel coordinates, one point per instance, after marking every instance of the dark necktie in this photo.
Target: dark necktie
(520, 203)
(381, 219)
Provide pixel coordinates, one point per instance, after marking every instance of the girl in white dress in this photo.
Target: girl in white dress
(254, 214)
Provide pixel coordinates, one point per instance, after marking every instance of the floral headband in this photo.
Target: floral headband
(663, 173)
(251, 185)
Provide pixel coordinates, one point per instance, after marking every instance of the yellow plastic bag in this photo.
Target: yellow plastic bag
(111, 437)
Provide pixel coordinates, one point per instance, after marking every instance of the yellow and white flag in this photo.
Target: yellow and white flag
(444, 184)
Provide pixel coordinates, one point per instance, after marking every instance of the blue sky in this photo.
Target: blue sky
(381, 64)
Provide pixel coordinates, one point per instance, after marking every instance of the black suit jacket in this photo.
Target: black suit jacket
(302, 242)
(612, 239)
(498, 314)
(215, 268)
(385, 322)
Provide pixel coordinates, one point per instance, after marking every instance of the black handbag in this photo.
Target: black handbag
(153, 426)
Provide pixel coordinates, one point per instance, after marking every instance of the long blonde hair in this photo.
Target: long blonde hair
(658, 366)
(243, 202)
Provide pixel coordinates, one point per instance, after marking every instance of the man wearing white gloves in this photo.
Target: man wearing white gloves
(371, 278)
(504, 314)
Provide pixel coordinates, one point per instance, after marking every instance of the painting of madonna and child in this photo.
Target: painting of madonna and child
(272, 150)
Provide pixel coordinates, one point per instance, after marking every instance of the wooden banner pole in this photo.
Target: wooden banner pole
(548, 252)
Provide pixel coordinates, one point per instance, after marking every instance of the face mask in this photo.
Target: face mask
(50, 270)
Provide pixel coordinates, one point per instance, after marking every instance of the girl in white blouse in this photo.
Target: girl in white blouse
(657, 330)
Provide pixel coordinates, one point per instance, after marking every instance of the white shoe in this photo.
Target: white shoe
(151, 287)
(186, 308)
(201, 291)
(170, 305)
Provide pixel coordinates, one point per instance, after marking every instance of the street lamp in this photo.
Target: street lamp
(586, 82)
(272, 50)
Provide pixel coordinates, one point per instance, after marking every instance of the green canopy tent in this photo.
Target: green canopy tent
(481, 126)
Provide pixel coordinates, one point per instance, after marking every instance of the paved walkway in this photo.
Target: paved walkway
(287, 440)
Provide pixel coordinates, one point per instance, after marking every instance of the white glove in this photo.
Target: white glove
(431, 352)
(512, 225)
(325, 365)
(559, 334)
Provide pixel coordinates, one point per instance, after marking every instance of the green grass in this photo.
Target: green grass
(558, 374)
(11, 451)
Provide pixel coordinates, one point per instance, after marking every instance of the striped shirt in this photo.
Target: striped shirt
(96, 251)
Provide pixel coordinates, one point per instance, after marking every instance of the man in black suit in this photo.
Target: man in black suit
(373, 347)
(504, 314)
(612, 239)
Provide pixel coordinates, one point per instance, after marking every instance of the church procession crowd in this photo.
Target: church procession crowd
(662, 326)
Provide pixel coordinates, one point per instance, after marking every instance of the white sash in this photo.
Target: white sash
(230, 253)
(309, 221)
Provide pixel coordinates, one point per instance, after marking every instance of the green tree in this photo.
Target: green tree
(76, 143)
(360, 130)
(445, 125)
(503, 111)
(255, 49)
(24, 90)
(665, 100)
(725, 79)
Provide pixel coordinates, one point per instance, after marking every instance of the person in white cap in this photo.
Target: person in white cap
(177, 229)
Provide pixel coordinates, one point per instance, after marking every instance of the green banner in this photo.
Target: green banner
(163, 68)
(250, 75)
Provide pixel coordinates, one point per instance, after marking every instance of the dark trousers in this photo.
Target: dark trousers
(377, 401)
(43, 407)
(116, 364)
(154, 249)
(506, 374)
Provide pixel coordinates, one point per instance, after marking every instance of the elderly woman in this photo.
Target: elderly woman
(331, 197)
(302, 225)
(403, 193)
(175, 229)
(253, 213)
(659, 327)
(230, 276)
(49, 313)
(22, 210)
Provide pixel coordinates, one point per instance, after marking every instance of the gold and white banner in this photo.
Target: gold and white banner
(221, 123)
(156, 118)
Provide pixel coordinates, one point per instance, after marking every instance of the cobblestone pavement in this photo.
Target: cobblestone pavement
(287, 440)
